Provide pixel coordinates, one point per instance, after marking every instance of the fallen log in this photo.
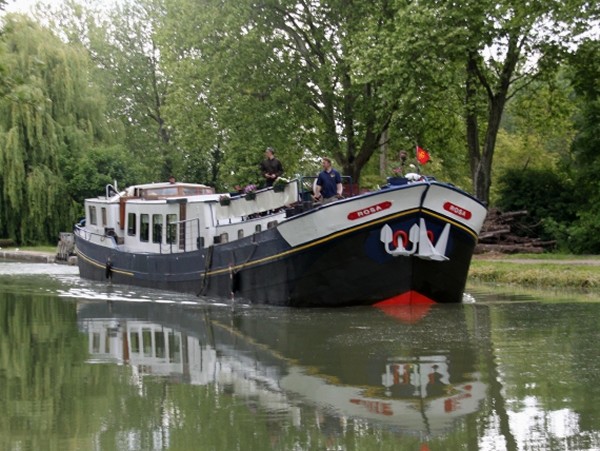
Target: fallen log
(513, 214)
(499, 234)
(493, 234)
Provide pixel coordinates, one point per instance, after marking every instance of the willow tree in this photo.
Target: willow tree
(47, 118)
(121, 40)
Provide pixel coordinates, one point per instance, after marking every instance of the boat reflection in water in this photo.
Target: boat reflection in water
(349, 364)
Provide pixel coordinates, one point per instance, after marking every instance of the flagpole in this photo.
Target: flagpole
(417, 158)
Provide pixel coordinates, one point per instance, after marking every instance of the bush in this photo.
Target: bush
(6, 242)
(549, 198)
(584, 234)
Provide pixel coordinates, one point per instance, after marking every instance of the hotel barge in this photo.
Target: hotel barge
(409, 242)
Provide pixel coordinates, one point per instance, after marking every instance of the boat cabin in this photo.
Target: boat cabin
(180, 217)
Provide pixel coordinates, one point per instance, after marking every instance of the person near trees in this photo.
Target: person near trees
(329, 183)
(271, 168)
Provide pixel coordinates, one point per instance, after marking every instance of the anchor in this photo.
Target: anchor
(422, 245)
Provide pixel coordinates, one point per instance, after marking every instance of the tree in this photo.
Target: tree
(484, 51)
(537, 131)
(3, 80)
(556, 180)
(524, 41)
(550, 200)
(122, 43)
(100, 166)
(278, 73)
(584, 234)
(49, 116)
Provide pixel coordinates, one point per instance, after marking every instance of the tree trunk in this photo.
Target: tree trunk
(483, 175)
(481, 161)
(472, 126)
(383, 156)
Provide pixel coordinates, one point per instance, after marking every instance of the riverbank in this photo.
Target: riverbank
(537, 271)
(34, 256)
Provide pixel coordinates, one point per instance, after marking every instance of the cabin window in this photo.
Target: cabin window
(224, 237)
(171, 229)
(144, 227)
(157, 226)
(174, 347)
(147, 342)
(160, 345)
(155, 193)
(134, 342)
(240, 234)
(257, 228)
(107, 348)
(271, 224)
(104, 221)
(131, 224)
(96, 342)
(93, 217)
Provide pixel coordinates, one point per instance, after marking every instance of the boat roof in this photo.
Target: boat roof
(167, 184)
(155, 191)
(166, 189)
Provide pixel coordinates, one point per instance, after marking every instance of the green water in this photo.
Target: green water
(87, 366)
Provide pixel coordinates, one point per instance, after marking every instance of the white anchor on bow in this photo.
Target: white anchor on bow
(421, 245)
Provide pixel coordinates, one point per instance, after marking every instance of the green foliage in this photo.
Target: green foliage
(544, 135)
(584, 236)
(49, 116)
(271, 74)
(46, 195)
(122, 41)
(101, 166)
(228, 100)
(585, 73)
(481, 53)
(199, 89)
(537, 130)
(550, 199)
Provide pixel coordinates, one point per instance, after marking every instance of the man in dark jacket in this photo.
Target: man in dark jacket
(271, 167)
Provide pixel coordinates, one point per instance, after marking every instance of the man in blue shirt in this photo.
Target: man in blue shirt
(329, 183)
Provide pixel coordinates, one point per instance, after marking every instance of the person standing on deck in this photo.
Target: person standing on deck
(329, 183)
(271, 167)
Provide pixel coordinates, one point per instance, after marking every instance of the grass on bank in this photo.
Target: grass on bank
(539, 271)
(544, 256)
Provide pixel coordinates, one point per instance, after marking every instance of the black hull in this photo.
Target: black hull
(344, 269)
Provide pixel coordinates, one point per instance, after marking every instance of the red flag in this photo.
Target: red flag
(422, 155)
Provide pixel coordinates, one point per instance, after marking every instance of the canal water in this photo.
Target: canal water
(89, 366)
